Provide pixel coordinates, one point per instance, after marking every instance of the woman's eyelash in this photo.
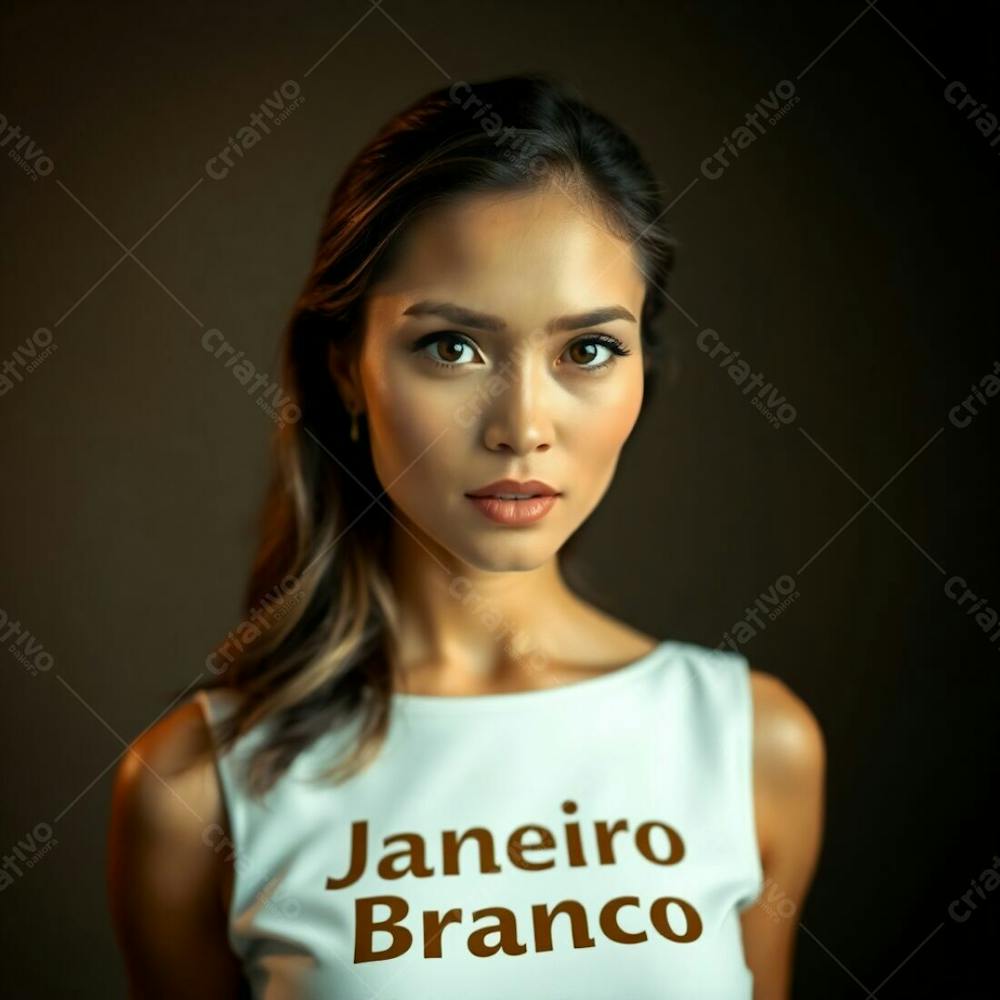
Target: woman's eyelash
(612, 343)
(607, 340)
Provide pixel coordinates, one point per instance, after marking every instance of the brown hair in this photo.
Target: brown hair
(319, 582)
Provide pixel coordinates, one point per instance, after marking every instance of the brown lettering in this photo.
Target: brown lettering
(542, 917)
(658, 916)
(365, 926)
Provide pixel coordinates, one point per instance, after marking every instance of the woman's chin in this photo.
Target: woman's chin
(503, 552)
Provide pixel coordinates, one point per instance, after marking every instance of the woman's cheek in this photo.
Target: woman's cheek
(596, 445)
(605, 421)
(409, 437)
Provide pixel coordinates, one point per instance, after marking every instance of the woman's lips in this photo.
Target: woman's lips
(515, 512)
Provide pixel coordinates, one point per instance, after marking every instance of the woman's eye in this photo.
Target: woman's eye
(448, 350)
(583, 352)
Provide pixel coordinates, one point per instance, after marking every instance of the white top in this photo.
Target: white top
(610, 845)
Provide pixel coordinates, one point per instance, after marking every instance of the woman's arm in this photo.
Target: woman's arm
(166, 877)
(789, 782)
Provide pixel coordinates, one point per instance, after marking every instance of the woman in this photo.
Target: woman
(424, 765)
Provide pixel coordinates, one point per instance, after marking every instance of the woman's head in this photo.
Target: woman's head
(484, 296)
(504, 344)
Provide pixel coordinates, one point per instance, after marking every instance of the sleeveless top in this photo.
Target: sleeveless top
(591, 840)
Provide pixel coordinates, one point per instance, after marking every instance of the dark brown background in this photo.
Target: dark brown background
(849, 254)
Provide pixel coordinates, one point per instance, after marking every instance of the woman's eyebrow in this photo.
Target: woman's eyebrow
(483, 321)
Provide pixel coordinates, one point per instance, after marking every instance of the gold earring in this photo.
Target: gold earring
(354, 425)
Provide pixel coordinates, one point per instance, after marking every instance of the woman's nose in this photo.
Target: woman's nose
(519, 417)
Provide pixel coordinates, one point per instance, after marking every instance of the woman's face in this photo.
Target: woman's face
(479, 363)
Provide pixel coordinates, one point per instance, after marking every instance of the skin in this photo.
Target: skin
(516, 403)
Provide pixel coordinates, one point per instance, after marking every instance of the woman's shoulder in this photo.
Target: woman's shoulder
(789, 769)
(167, 800)
(166, 781)
(168, 881)
(788, 739)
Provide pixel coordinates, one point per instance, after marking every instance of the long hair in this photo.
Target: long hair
(311, 652)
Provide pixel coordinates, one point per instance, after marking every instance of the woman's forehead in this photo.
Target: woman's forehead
(530, 255)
